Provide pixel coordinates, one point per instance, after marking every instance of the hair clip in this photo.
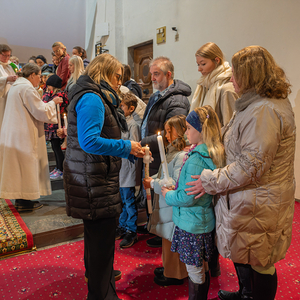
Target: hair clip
(207, 116)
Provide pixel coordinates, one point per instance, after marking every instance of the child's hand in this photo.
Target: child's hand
(164, 190)
(61, 133)
(146, 183)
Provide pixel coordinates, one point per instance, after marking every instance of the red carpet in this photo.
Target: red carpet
(58, 273)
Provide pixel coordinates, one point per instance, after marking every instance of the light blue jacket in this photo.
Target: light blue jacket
(190, 214)
(160, 221)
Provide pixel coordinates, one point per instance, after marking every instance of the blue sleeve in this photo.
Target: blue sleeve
(90, 119)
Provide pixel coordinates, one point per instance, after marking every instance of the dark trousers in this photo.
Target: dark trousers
(99, 247)
(59, 155)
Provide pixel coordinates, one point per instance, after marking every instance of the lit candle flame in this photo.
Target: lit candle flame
(158, 133)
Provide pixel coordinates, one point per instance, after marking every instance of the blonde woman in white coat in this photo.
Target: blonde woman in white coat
(24, 171)
(214, 87)
(7, 77)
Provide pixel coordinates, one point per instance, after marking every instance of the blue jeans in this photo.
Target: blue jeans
(128, 217)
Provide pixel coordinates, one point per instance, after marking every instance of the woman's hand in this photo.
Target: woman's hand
(12, 78)
(196, 188)
(146, 182)
(58, 100)
(164, 190)
(136, 149)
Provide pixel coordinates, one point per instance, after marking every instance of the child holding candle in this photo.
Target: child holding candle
(128, 218)
(160, 223)
(54, 90)
(194, 218)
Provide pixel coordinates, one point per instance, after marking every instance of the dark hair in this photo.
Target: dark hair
(4, 48)
(32, 58)
(42, 57)
(81, 52)
(29, 69)
(127, 73)
(129, 99)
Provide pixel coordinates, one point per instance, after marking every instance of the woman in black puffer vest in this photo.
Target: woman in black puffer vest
(92, 165)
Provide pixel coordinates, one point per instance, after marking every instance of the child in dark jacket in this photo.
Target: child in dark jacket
(53, 86)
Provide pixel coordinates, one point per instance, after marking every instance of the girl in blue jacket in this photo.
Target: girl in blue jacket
(194, 218)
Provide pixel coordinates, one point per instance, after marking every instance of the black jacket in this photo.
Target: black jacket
(174, 102)
(134, 88)
(91, 182)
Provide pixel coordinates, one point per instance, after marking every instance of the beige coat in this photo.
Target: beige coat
(216, 90)
(254, 212)
(5, 71)
(24, 171)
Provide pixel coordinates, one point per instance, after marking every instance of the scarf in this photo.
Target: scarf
(207, 91)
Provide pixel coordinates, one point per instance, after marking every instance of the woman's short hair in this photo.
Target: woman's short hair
(78, 67)
(255, 68)
(103, 67)
(81, 51)
(29, 69)
(127, 73)
(164, 63)
(4, 48)
(211, 51)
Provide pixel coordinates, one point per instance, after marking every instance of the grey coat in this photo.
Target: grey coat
(254, 213)
(128, 169)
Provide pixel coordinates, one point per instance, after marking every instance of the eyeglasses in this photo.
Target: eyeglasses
(119, 77)
(8, 55)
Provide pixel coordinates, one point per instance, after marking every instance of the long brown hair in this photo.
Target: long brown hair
(179, 124)
(255, 68)
(211, 133)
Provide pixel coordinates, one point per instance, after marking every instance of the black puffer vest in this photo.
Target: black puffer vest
(91, 182)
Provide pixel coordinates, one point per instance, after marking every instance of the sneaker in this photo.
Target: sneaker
(53, 171)
(57, 175)
(120, 232)
(129, 239)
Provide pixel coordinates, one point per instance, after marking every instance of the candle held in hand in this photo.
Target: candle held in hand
(58, 115)
(167, 180)
(66, 121)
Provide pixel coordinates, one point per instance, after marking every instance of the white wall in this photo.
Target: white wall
(31, 27)
(231, 24)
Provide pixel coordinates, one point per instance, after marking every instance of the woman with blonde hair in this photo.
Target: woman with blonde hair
(254, 212)
(214, 87)
(92, 165)
(60, 51)
(76, 69)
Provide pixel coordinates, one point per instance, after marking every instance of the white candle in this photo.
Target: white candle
(166, 181)
(58, 115)
(146, 160)
(66, 121)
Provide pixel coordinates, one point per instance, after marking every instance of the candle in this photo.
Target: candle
(167, 180)
(58, 115)
(146, 160)
(66, 121)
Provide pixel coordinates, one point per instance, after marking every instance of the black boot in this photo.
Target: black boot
(244, 274)
(264, 286)
(199, 291)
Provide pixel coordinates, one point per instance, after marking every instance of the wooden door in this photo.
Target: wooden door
(142, 56)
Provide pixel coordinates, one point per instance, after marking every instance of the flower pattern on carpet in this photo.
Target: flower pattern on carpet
(58, 273)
